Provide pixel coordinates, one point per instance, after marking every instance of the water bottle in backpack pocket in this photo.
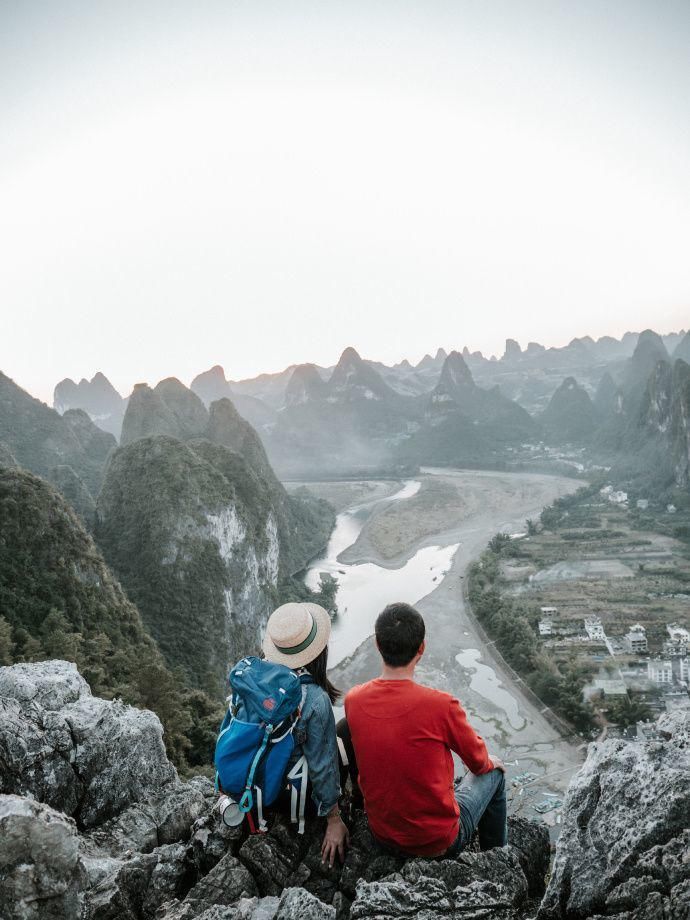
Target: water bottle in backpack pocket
(255, 742)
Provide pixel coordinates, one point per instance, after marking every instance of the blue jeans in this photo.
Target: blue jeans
(482, 801)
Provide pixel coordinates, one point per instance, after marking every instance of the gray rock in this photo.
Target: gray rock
(531, 843)
(298, 904)
(364, 860)
(136, 885)
(624, 830)
(120, 894)
(271, 858)
(167, 817)
(467, 886)
(500, 867)
(211, 840)
(39, 862)
(85, 756)
(172, 877)
(257, 908)
(225, 884)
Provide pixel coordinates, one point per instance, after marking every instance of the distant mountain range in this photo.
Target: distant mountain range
(363, 416)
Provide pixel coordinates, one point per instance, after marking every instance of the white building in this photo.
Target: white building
(545, 627)
(659, 671)
(685, 670)
(636, 639)
(618, 498)
(610, 686)
(643, 504)
(593, 628)
(673, 648)
(678, 633)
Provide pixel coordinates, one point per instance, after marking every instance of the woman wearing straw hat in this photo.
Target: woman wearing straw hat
(297, 636)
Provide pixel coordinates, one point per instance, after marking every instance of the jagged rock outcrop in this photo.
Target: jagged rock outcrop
(147, 415)
(624, 841)
(305, 384)
(466, 423)
(682, 349)
(608, 399)
(82, 755)
(185, 405)
(96, 443)
(512, 351)
(355, 379)
(434, 363)
(165, 853)
(649, 351)
(211, 385)
(42, 441)
(39, 861)
(227, 428)
(97, 397)
(351, 421)
(665, 419)
(570, 415)
(457, 392)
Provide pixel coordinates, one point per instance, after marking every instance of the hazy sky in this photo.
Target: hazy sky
(256, 184)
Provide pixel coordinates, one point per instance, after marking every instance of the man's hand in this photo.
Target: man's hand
(497, 763)
(335, 840)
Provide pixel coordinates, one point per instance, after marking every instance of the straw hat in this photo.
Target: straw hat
(296, 634)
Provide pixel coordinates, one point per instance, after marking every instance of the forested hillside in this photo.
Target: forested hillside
(58, 599)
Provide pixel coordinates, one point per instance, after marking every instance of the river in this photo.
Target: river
(364, 589)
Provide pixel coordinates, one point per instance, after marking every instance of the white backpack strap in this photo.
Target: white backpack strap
(297, 809)
(263, 827)
(304, 699)
(345, 760)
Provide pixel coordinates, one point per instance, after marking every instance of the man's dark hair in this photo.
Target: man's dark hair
(399, 631)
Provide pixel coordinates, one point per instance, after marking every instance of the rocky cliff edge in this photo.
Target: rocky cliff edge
(95, 824)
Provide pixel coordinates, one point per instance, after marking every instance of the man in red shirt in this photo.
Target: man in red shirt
(403, 734)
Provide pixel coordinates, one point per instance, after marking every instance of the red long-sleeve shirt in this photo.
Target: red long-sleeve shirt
(403, 735)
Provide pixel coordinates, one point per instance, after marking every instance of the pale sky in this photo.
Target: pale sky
(256, 184)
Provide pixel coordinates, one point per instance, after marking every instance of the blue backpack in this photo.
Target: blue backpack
(255, 741)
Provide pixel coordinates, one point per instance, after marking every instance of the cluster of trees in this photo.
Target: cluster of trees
(512, 625)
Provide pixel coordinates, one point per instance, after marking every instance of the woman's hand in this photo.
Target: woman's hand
(335, 840)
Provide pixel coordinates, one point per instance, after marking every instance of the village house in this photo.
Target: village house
(593, 628)
(635, 640)
(660, 671)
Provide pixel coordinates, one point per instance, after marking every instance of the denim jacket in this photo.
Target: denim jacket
(315, 738)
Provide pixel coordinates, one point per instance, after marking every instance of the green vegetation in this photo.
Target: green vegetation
(69, 452)
(511, 625)
(59, 600)
(294, 590)
(625, 711)
(205, 546)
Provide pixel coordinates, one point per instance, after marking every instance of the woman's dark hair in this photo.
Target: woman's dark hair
(318, 668)
(399, 632)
